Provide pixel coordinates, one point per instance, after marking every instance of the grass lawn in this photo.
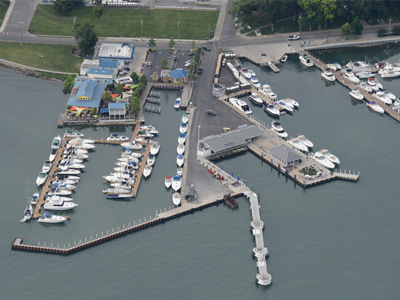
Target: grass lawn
(3, 11)
(281, 27)
(157, 23)
(43, 56)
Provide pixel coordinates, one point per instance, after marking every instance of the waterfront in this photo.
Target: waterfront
(339, 233)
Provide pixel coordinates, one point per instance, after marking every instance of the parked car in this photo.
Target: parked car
(200, 70)
(191, 53)
(125, 69)
(211, 112)
(293, 37)
(206, 48)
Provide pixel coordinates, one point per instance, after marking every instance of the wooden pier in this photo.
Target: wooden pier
(139, 174)
(273, 67)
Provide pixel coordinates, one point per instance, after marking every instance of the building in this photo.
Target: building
(165, 75)
(87, 93)
(88, 64)
(98, 73)
(178, 76)
(285, 155)
(110, 64)
(124, 51)
(117, 110)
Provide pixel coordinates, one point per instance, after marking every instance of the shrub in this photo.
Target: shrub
(382, 31)
(396, 30)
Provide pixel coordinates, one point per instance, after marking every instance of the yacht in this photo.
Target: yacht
(46, 166)
(375, 107)
(125, 159)
(128, 162)
(68, 172)
(270, 109)
(357, 65)
(176, 183)
(266, 90)
(129, 168)
(180, 160)
(150, 129)
(56, 198)
(145, 134)
(66, 164)
(350, 76)
(255, 83)
(179, 171)
(299, 145)
(52, 155)
(375, 84)
(151, 159)
(71, 134)
(62, 186)
(328, 75)
(71, 150)
(241, 105)
(41, 178)
(155, 148)
(366, 87)
(305, 60)
(293, 102)
(330, 156)
(320, 158)
(51, 219)
(118, 190)
(71, 159)
(182, 138)
(123, 184)
(132, 146)
(120, 177)
(147, 170)
(255, 99)
(185, 118)
(59, 205)
(35, 198)
(28, 212)
(79, 145)
(395, 104)
(390, 74)
(389, 95)
(305, 141)
(335, 66)
(365, 74)
(355, 93)
(286, 106)
(180, 149)
(278, 129)
(168, 182)
(177, 103)
(128, 153)
(381, 96)
(56, 142)
(176, 198)
(115, 194)
(63, 181)
(183, 128)
(81, 141)
(75, 179)
(118, 138)
(59, 192)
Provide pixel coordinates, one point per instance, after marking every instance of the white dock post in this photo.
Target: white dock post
(85, 239)
(139, 220)
(91, 238)
(134, 222)
(145, 219)
(45, 244)
(57, 246)
(51, 244)
(38, 243)
(69, 245)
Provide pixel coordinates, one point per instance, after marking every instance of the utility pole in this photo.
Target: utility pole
(141, 25)
(390, 24)
(178, 29)
(209, 31)
(22, 25)
(300, 24)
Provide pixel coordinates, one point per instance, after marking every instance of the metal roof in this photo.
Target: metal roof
(108, 64)
(100, 71)
(284, 153)
(232, 139)
(89, 88)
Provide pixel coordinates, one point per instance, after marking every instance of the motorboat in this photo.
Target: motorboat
(52, 155)
(132, 146)
(155, 147)
(285, 106)
(321, 159)
(183, 128)
(145, 134)
(329, 156)
(147, 170)
(255, 83)
(240, 105)
(149, 129)
(68, 172)
(117, 190)
(66, 164)
(124, 175)
(72, 178)
(185, 118)
(350, 76)
(56, 142)
(292, 101)
(55, 198)
(28, 212)
(180, 149)
(328, 75)
(381, 96)
(73, 151)
(117, 195)
(71, 160)
(247, 73)
(81, 141)
(390, 74)
(63, 181)
(176, 198)
(182, 138)
(129, 168)
(305, 60)
(270, 109)
(278, 129)
(389, 95)
(335, 66)
(123, 184)
(118, 138)
(51, 219)
(59, 192)
(120, 177)
(151, 159)
(126, 162)
(305, 141)
(46, 166)
(63, 186)
(180, 160)
(375, 84)
(179, 171)
(129, 153)
(35, 198)
(176, 183)
(255, 99)
(267, 91)
(366, 87)
(168, 182)
(395, 104)
(356, 94)
(288, 103)
(357, 64)
(299, 145)
(177, 103)
(76, 156)
(59, 205)
(144, 140)
(284, 58)
(79, 145)
(71, 134)
(375, 107)
(364, 74)
(41, 178)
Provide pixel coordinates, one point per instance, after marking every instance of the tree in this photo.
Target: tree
(143, 80)
(119, 88)
(98, 11)
(106, 96)
(63, 6)
(329, 8)
(346, 29)
(356, 26)
(164, 63)
(191, 77)
(193, 44)
(396, 30)
(314, 13)
(94, 110)
(152, 43)
(98, 2)
(135, 77)
(85, 36)
(171, 43)
(382, 31)
(135, 105)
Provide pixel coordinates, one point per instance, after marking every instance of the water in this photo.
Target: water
(337, 240)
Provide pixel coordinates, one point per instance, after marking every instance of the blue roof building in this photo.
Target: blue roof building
(87, 93)
(178, 75)
(108, 64)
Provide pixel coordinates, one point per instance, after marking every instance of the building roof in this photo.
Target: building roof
(178, 73)
(86, 93)
(284, 153)
(116, 51)
(116, 106)
(98, 71)
(108, 64)
(232, 139)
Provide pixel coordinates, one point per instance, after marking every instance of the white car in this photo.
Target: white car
(293, 37)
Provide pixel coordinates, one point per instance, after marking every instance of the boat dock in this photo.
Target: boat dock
(273, 67)
(139, 174)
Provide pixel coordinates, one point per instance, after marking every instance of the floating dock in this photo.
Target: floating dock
(273, 67)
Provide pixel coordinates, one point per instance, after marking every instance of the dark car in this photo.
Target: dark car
(191, 53)
(125, 69)
(200, 70)
(206, 48)
(211, 113)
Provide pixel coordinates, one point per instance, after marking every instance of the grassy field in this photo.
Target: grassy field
(3, 11)
(157, 23)
(43, 56)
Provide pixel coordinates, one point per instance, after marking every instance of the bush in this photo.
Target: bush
(382, 31)
(396, 30)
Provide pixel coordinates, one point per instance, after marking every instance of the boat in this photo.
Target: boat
(120, 177)
(395, 104)
(56, 142)
(356, 94)
(247, 73)
(299, 145)
(389, 74)
(366, 87)
(375, 84)
(71, 160)
(71, 134)
(267, 91)
(63, 181)
(292, 101)
(118, 138)
(350, 76)
(240, 105)
(357, 64)
(180, 149)
(59, 198)
(179, 171)
(320, 158)
(67, 164)
(74, 151)
(255, 83)
(67, 178)
(381, 96)
(68, 172)
(305, 60)
(185, 118)
(278, 129)
(123, 184)
(285, 106)
(364, 74)
(59, 205)
(335, 66)
(284, 58)
(46, 166)
(63, 186)
(28, 212)
(144, 140)
(147, 170)
(375, 107)
(51, 219)
(81, 141)
(389, 95)
(127, 162)
(305, 141)
(149, 129)
(117, 195)
(145, 134)
(41, 178)
(117, 190)
(183, 128)
(59, 192)
(180, 160)
(132, 146)
(270, 109)
(155, 148)
(329, 156)
(182, 138)
(177, 103)
(176, 198)
(35, 198)
(288, 103)
(176, 183)
(80, 145)
(328, 75)
(168, 182)
(52, 155)
(151, 159)
(255, 99)
(129, 153)
(129, 168)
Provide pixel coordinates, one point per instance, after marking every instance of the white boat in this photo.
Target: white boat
(390, 73)
(350, 76)
(364, 74)
(41, 178)
(117, 190)
(117, 195)
(286, 106)
(288, 103)
(180, 149)
(81, 141)
(183, 128)
(155, 148)
(292, 101)
(179, 171)
(305, 60)
(176, 183)
(129, 168)
(52, 155)
(182, 138)
(51, 219)
(71, 134)
(120, 177)
(132, 146)
(59, 192)
(270, 109)
(74, 151)
(79, 145)
(59, 205)
(176, 198)
(328, 75)
(68, 172)
(46, 166)
(366, 87)
(147, 170)
(145, 134)
(267, 91)
(149, 129)
(126, 162)
(395, 104)
(63, 181)
(180, 160)
(255, 83)
(278, 129)
(67, 164)
(185, 118)
(129, 153)
(305, 141)
(240, 105)
(118, 138)
(356, 94)
(335, 66)
(375, 84)
(35, 198)
(123, 184)
(28, 212)
(320, 158)
(151, 159)
(255, 99)
(73, 178)
(124, 175)
(125, 159)
(284, 58)
(299, 145)
(144, 140)
(56, 142)
(168, 182)
(357, 64)
(177, 103)
(71, 160)
(374, 106)
(329, 156)
(62, 186)
(59, 198)
(381, 96)
(389, 95)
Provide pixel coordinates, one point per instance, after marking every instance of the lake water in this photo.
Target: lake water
(335, 241)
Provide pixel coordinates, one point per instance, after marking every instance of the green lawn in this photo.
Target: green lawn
(158, 23)
(43, 56)
(3, 11)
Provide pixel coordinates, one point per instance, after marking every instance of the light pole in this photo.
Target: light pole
(300, 24)
(390, 24)
(198, 134)
(141, 25)
(178, 29)
(22, 25)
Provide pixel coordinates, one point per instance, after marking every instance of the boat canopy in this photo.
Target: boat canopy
(47, 215)
(182, 135)
(177, 177)
(180, 156)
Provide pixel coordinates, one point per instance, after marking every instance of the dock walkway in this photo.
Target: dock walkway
(273, 67)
